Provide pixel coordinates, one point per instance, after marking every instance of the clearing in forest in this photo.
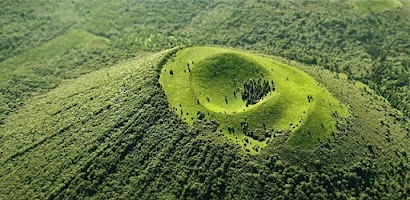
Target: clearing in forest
(256, 100)
(375, 6)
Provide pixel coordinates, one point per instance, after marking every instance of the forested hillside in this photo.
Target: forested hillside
(372, 48)
(111, 134)
(83, 114)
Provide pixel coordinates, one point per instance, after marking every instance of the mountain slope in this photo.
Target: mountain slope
(112, 135)
(43, 68)
(370, 48)
(59, 134)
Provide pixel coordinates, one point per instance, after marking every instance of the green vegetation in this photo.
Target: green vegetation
(111, 134)
(83, 114)
(209, 80)
(372, 49)
(42, 68)
(375, 6)
(255, 89)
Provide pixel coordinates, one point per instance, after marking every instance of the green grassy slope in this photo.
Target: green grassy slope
(375, 6)
(208, 85)
(373, 120)
(220, 79)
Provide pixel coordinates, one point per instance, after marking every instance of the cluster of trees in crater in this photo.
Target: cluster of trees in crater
(254, 90)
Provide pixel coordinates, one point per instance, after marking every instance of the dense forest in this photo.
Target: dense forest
(372, 48)
(255, 90)
(82, 114)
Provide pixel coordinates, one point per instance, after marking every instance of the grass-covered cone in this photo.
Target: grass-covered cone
(256, 100)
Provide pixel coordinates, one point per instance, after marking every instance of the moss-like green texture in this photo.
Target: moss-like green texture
(375, 6)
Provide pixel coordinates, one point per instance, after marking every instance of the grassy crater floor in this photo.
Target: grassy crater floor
(209, 80)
